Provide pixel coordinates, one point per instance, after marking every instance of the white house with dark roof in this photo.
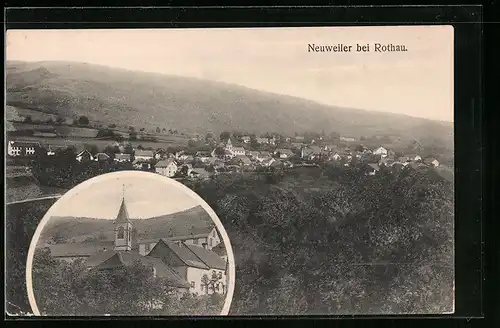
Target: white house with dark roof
(238, 151)
(372, 169)
(22, 148)
(84, 156)
(192, 262)
(145, 155)
(166, 167)
(121, 158)
(431, 161)
(284, 153)
(380, 151)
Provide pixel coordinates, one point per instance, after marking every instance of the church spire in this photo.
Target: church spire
(122, 216)
(123, 228)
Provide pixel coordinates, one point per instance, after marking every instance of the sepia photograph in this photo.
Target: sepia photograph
(327, 154)
(128, 243)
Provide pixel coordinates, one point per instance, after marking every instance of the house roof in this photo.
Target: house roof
(430, 160)
(284, 151)
(115, 259)
(81, 152)
(264, 154)
(165, 162)
(184, 253)
(102, 156)
(219, 249)
(245, 138)
(79, 249)
(19, 143)
(244, 159)
(174, 238)
(211, 259)
(374, 166)
(312, 150)
(238, 149)
(201, 172)
(122, 156)
(122, 216)
(139, 160)
(253, 153)
(145, 153)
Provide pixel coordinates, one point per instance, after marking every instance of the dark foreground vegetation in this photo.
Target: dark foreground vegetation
(334, 241)
(62, 288)
(319, 240)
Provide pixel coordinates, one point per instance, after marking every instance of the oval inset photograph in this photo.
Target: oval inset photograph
(130, 243)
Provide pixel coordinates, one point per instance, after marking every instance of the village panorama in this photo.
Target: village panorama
(223, 168)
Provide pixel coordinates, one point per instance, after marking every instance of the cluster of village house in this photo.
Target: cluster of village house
(192, 250)
(228, 158)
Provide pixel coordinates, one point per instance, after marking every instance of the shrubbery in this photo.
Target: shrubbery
(62, 288)
(335, 241)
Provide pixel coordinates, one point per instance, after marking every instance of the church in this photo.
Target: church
(183, 265)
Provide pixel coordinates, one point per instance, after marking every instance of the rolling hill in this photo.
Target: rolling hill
(109, 95)
(78, 229)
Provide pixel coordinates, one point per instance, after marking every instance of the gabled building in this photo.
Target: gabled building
(84, 156)
(238, 151)
(166, 167)
(145, 155)
(284, 153)
(431, 161)
(102, 157)
(241, 160)
(380, 151)
(192, 263)
(141, 164)
(22, 148)
(122, 158)
(199, 173)
(372, 169)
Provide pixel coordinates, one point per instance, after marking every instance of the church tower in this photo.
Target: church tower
(123, 229)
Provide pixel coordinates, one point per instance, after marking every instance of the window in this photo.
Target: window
(121, 233)
(129, 236)
(192, 284)
(154, 272)
(210, 242)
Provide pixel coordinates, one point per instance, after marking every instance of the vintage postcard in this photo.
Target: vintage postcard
(325, 153)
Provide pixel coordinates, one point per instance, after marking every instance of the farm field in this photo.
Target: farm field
(13, 113)
(101, 144)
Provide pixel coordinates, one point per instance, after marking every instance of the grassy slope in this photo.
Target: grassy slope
(83, 228)
(148, 100)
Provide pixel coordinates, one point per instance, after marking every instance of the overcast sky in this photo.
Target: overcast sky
(144, 197)
(418, 82)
